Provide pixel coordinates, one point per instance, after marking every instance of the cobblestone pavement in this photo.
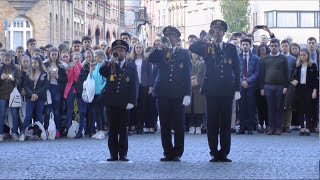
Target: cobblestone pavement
(288, 156)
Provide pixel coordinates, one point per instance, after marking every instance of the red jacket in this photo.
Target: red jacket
(72, 75)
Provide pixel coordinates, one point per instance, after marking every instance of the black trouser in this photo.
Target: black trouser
(195, 120)
(118, 126)
(152, 112)
(98, 111)
(262, 107)
(303, 99)
(315, 112)
(138, 113)
(219, 111)
(171, 110)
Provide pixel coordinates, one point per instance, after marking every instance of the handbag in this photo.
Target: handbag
(194, 81)
(88, 89)
(15, 98)
(51, 128)
(49, 99)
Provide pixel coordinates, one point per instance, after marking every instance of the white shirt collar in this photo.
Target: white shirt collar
(122, 62)
(174, 49)
(275, 55)
(287, 54)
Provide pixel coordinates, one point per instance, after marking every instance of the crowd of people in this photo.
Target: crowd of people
(278, 86)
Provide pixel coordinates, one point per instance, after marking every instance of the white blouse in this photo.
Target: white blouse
(138, 63)
(303, 76)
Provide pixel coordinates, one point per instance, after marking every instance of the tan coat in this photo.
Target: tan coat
(197, 105)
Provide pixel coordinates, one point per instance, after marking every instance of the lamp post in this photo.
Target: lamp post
(104, 20)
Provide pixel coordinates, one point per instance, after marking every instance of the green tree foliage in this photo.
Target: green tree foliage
(236, 13)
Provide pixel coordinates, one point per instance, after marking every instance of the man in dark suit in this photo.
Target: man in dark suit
(119, 96)
(249, 75)
(172, 89)
(221, 85)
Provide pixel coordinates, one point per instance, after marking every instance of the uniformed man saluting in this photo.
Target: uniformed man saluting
(221, 85)
(172, 90)
(119, 95)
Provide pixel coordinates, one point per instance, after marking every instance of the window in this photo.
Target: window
(292, 19)
(307, 19)
(287, 19)
(20, 30)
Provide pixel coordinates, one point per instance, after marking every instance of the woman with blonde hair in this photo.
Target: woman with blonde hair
(306, 80)
(144, 68)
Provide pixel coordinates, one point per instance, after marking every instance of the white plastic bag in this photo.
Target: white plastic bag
(73, 130)
(49, 100)
(88, 89)
(15, 98)
(22, 110)
(43, 131)
(51, 127)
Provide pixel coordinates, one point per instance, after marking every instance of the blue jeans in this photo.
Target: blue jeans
(54, 107)
(274, 99)
(39, 105)
(14, 113)
(82, 107)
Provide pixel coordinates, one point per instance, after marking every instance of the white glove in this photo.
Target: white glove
(237, 95)
(129, 106)
(186, 100)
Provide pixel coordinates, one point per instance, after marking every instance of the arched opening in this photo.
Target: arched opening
(108, 37)
(97, 35)
(20, 30)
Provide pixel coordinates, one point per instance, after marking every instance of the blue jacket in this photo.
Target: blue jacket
(173, 74)
(222, 76)
(253, 69)
(124, 87)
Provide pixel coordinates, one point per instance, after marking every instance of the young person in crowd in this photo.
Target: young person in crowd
(10, 78)
(295, 50)
(306, 81)
(261, 101)
(144, 68)
(274, 78)
(86, 44)
(100, 82)
(19, 52)
(58, 80)
(35, 85)
(195, 112)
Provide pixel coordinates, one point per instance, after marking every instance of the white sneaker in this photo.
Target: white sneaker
(100, 135)
(191, 130)
(146, 130)
(198, 130)
(22, 137)
(15, 137)
(151, 130)
(95, 135)
(1, 137)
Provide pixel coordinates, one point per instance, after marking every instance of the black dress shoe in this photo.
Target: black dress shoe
(241, 132)
(176, 158)
(123, 158)
(112, 159)
(165, 159)
(250, 132)
(301, 133)
(214, 159)
(307, 133)
(224, 159)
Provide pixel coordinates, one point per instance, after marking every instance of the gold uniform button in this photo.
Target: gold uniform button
(222, 66)
(170, 75)
(171, 69)
(170, 80)
(118, 82)
(222, 71)
(118, 87)
(221, 76)
(117, 91)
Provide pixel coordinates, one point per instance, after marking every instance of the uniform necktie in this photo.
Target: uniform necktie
(245, 74)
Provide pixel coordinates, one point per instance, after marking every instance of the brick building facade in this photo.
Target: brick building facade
(50, 21)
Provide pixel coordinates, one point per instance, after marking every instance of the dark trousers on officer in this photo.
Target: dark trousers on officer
(118, 126)
(247, 108)
(171, 110)
(274, 99)
(219, 111)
